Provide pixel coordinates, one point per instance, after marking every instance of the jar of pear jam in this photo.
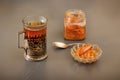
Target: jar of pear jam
(74, 25)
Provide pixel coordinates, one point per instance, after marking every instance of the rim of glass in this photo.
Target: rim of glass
(26, 24)
(77, 10)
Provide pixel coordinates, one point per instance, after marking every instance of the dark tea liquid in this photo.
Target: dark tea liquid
(36, 38)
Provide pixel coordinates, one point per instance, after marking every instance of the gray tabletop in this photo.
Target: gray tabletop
(103, 28)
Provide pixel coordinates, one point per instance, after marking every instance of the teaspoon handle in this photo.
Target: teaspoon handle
(72, 44)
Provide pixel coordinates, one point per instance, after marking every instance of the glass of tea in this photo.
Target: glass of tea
(74, 25)
(34, 30)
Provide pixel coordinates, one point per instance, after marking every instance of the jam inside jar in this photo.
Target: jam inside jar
(74, 25)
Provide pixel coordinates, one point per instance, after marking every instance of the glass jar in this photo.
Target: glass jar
(74, 25)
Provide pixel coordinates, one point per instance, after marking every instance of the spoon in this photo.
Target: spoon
(63, 45)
